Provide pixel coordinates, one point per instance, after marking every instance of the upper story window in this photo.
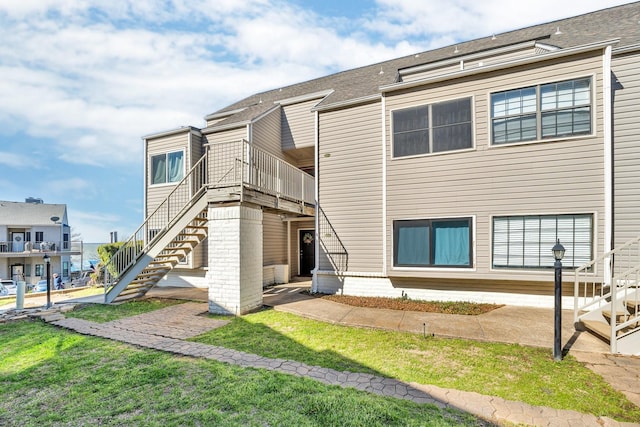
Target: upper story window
(433, 128)
(541, 112)
(167, 167)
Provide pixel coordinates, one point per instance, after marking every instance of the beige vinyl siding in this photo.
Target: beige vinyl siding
(551, 177)
(274, 240)
(266, 133)
(350, 156)
(298, 125)
(155, 194)
(294, 242)
(626, 142)
(228, 135)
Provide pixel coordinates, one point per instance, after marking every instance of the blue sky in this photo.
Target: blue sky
(81, 81)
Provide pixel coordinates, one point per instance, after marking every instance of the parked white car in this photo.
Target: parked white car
(10, 286)
(3, 291)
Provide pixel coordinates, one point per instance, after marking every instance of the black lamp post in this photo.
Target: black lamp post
(47, 261)
(558, 254)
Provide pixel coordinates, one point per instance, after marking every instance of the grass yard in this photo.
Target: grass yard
(52, 377)
(509, 371)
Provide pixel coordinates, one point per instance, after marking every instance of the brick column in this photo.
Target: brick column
(235, 259)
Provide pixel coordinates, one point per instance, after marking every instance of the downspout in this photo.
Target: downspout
(384, 186)
(608, 159)
(316, 261)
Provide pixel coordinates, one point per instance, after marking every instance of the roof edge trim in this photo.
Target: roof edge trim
(306, 97)
(173, 132)
(625, 49)
(226, 127)
(223, 114)
(471, 56)
(348, 102)
(502, 65)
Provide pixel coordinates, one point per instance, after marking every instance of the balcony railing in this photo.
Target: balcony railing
(25, 248)
(239, 163)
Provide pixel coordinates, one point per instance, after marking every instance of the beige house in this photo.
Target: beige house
(447, 175)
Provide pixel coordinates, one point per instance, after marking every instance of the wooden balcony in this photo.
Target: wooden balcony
(239, 172)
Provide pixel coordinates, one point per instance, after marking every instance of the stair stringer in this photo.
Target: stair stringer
(155, 249)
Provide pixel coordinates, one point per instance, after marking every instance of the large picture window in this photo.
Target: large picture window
(434, 128)
(526, 241)
(541, 112)
(432, 243)
(167, 168)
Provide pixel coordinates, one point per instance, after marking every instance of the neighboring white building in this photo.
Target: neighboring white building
(28, 231)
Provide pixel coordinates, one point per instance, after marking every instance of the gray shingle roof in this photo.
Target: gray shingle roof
(621, 22)
(28, 214)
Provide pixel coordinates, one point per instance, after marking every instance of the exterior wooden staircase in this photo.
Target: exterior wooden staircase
(168, 235)
(607, 298)
(228, 172)
(178, 249)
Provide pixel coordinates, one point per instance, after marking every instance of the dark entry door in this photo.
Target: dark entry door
(307, 251)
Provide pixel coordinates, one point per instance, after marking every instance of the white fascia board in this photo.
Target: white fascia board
(223, 114)
(500, 66)
(305, 97)
(349, 103)
(470, 57)
(625, 49)
(226, 127)
(177, 131)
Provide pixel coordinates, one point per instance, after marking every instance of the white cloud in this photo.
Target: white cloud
(94, 227)
(440, 23)
(15, 160)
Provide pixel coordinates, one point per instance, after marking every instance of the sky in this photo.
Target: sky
(82, 81)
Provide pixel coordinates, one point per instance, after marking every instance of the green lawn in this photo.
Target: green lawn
(510, 371)
(52, 377)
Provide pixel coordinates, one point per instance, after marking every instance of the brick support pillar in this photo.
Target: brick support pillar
(235, 259)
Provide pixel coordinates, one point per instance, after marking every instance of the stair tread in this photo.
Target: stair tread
(601, 328)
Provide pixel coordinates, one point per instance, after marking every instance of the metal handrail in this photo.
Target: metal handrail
(156, 224)
(604, 282)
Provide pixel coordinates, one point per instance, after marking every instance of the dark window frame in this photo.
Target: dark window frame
(432, 241)
(439, 127)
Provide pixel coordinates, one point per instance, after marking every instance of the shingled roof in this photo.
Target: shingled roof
(30, 214)
(621, 22)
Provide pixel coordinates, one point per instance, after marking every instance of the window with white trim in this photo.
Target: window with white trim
(526, 241)
(433, 128)
(541, 112)
(167, 167)
(432, 243)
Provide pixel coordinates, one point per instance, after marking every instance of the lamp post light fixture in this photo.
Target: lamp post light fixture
(558, 254)
(47, 261)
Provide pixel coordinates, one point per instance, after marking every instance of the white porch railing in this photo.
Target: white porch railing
(239, 163)
(607, 283)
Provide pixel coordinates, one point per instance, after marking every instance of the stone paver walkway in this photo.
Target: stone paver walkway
(166, 329)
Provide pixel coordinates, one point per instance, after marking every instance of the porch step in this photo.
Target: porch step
(600, 328)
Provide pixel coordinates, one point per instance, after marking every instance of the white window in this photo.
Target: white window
(526, 241)
(167, 167)
(540, 112)
(434, 128)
